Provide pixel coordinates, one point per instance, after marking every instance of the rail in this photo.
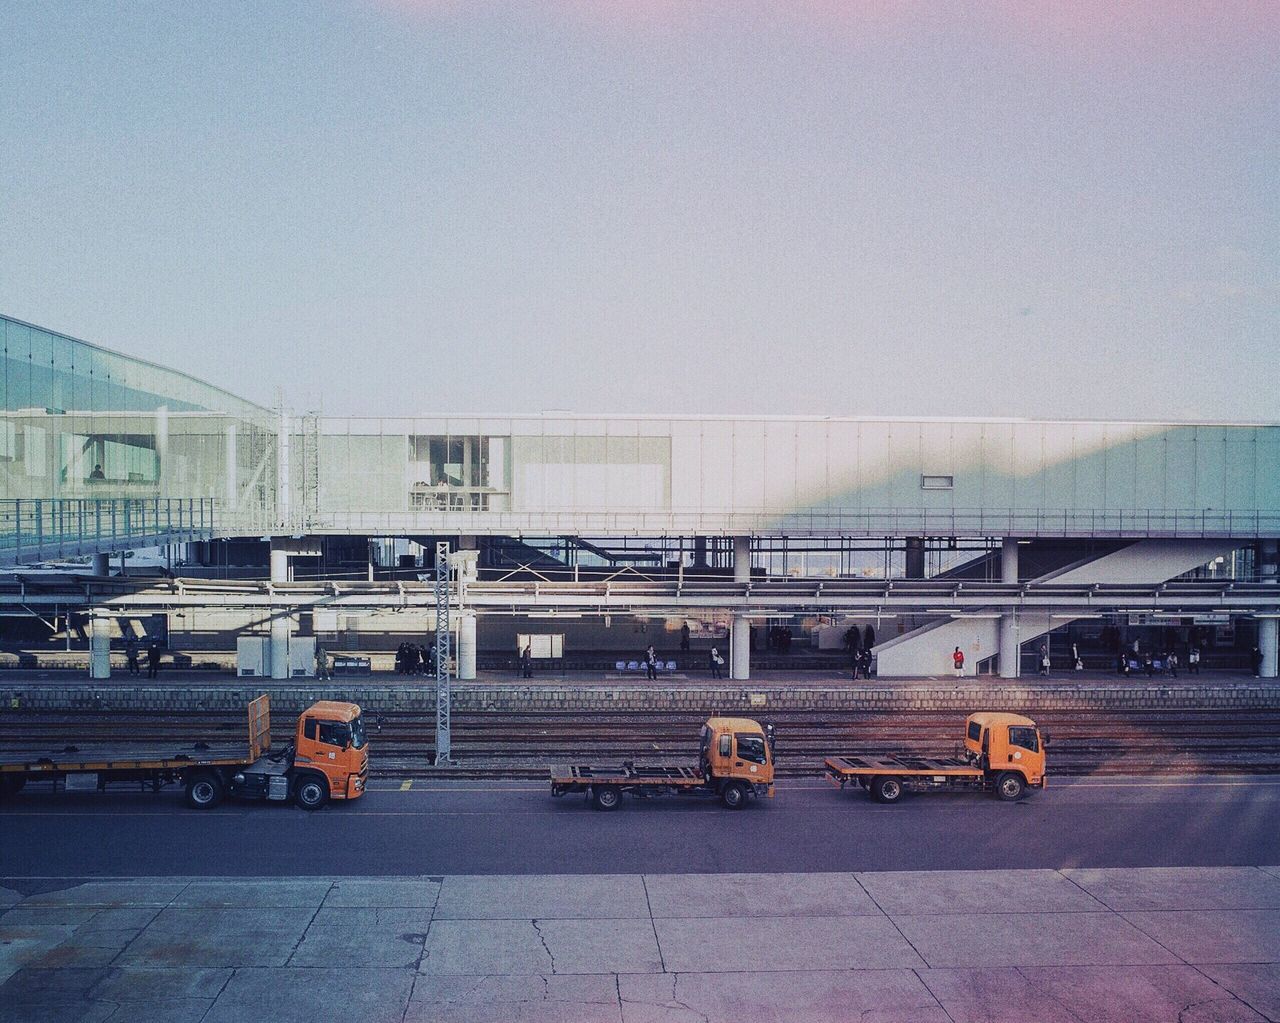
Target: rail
(757, 597)
(40, 529)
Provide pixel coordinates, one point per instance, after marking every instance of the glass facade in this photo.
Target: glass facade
(83, 426)
(94, 444)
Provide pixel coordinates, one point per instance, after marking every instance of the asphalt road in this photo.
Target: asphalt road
(518, 828)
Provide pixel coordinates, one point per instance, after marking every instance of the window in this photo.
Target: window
(975, 731)
(309, 728)
(335, 733)
(751, 747)
(358, 737)
(937, 482)
(1020, 735)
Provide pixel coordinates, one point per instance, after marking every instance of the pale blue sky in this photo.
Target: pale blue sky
(397, 207)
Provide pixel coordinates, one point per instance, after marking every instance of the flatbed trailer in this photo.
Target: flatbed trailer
(1003, 753)
(207, 770)
(735, 765)
(151, 765)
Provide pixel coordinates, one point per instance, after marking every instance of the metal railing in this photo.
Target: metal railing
(39, 529)
(1124, 523)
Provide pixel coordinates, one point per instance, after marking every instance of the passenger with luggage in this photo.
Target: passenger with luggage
(717, 662)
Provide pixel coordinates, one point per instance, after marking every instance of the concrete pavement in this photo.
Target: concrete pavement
(1127, 945)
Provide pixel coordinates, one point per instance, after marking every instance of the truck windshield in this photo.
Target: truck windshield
(357, 733)
(751, 747)
(1024, 737)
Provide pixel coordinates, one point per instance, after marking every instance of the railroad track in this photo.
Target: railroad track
(517, 745)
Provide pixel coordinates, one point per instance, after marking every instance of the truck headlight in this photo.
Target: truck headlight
(238, 778)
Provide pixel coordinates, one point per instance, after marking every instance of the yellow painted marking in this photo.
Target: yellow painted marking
(406, 785)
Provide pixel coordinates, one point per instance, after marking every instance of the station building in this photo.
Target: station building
(769, 537)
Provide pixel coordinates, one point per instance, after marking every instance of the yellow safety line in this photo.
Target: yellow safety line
(406, 785)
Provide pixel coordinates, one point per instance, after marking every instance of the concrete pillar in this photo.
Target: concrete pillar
(279, 563)
(1009, 560)
(280, 645)
(740, 648)
(742, 561)
(1269, 628)
(102, 563)
(99, 647)
(915, 557)
(467, 646)
(1010, 646)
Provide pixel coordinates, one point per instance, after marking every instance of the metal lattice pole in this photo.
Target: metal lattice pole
(444, 744)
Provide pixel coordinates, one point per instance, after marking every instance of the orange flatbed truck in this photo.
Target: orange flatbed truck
(735, 764)
(328, 759)
(1003, 753)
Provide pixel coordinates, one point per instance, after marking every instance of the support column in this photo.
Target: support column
(1010, 646)
(99, 647)
(915, 557)
(278, 653)
(467, 646)
(280, 644)
(102, 563)
(740, 648)
(742, 559)
(279, 562)
(1269, 628)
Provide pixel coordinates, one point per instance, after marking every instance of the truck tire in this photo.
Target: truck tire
(606, 797)
(887, 789)
(311, 792)
(1010, 786)
(11, 784)
(204, 790)
(734, 795)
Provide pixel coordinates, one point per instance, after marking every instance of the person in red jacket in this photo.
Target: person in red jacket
(957, 659)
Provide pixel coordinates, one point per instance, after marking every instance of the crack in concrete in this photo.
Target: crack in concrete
(303, 936)
(545, 947)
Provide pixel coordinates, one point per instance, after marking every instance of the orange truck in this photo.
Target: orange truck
(1002, 753)
(328, 759)
(735, 764)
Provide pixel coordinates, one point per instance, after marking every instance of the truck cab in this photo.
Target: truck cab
(736, 758)
(999, 742)
(331, 740)
(329, 759)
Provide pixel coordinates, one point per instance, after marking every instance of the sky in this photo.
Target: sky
(818, 207)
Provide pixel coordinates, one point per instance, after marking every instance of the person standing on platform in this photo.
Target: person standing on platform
(716, 661)
(1256, 659)
(1193, 661)
(651, 664)
(131, 657)
(957, 661)
(322, 663)
(684, 636)
(1044, 661)
(526, 662)
(153, 659)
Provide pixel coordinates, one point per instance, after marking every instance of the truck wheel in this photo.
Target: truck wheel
(886, 790)
(734, 795)
(311, 793)
(1010, 786)
(204, 790)
(606, 797)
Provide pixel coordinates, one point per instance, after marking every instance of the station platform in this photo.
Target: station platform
(1138, 945)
